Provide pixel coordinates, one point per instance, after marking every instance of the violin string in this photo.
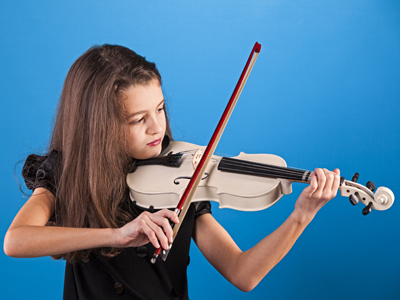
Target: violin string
(254, 168)
(267, 169)
(190, 153)
(261, 165)
(265, 174)
(223, 154)
(236, 165)
(243, 162)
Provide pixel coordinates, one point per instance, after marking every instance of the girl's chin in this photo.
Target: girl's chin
(153, 152)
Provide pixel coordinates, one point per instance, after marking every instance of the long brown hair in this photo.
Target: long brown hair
(89, 132)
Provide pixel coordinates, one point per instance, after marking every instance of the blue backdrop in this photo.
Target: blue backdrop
(324, 93)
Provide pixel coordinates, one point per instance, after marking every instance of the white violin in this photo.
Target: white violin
(247, 182)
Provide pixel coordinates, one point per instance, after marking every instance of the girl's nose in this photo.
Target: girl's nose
(155, 125)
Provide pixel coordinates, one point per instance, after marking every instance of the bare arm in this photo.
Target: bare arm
(29, 237)
(246, 269)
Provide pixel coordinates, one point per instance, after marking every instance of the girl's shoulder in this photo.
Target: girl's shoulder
(201, 208)
(41, 171)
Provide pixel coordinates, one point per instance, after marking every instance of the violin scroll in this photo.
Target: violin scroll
(382, 199)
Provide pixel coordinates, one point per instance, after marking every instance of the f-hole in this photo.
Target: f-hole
(176, 180)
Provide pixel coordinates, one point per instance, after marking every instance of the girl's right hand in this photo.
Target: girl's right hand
(148, 227)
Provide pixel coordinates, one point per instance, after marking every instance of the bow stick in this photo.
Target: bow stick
(184, 203)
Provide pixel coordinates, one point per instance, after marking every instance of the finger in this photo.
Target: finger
(321, 180)
(165, 224)
(159, 232)
(168, 214)
(145, 229)
(336, 181)
(330, 177)
(312, 187)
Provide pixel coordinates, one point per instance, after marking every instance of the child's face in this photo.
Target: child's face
(147, 123)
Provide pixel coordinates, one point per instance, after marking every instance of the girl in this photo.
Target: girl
(111, 111)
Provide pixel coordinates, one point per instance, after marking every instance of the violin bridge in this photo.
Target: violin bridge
(196, 159)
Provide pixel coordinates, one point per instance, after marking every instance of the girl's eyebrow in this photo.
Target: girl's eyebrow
(143, 111)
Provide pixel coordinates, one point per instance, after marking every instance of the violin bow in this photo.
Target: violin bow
(185, 201)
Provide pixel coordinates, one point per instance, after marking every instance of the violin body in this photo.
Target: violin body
(162, 186)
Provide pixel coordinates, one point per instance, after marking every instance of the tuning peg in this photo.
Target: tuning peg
(371, 186)
(367, 209)
(355, 177)
(354, 198)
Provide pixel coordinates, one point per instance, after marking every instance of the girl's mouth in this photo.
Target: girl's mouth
(155, 143)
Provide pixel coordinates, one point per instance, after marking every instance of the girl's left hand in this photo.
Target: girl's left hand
(323, 187)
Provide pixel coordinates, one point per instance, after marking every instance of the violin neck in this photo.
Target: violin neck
(234, 165)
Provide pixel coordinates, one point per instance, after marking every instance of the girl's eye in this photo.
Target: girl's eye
(138, 121)
(161, 109)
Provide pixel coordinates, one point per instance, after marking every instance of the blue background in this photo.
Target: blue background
(324, 92)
